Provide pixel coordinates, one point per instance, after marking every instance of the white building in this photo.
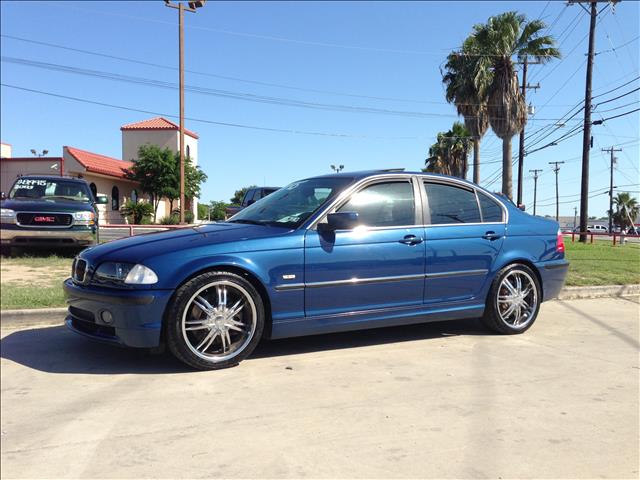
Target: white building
(5, 150)
(107, 175)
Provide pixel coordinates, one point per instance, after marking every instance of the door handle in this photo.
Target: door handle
(491, 236)
(411, 240)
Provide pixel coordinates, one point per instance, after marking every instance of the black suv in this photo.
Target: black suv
(251, 197)
(49, 211)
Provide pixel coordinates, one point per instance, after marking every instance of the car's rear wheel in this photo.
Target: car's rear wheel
(514, 300)
(215, 320)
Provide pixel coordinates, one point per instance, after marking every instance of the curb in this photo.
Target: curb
(32, 317)
(55, 316)
(600, 291)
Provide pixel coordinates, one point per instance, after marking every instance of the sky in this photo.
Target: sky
(306, 85)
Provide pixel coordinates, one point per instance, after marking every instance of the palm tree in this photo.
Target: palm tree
(449, 155)
(626, 207)
(466, 88)
(498, 41)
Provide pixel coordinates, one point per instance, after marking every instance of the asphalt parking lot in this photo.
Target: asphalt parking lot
(434, 400)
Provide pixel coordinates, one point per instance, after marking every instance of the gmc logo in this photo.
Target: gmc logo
(43, 219)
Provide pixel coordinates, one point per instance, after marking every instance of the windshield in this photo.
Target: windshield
(49, 188)
(292, 205)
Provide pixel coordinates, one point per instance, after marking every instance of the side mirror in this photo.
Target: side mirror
(3, 196)
(522, 207)
(102, 200)
(339, 221)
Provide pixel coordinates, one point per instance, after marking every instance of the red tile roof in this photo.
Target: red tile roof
(158, 123)
(96, 163)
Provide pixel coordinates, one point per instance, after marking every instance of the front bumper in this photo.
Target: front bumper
(136, 315)
(70, 237)
(553, 275)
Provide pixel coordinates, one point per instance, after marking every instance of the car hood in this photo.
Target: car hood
(140, 247)
(30, 205)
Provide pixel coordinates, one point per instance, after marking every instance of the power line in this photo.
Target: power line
(213, 75)
(201, 120)
(225, 93)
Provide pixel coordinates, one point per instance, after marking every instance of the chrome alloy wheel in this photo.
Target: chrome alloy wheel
(219, 321)
(517, 299)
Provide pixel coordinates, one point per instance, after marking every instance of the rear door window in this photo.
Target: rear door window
(448, 204)
(491, 211)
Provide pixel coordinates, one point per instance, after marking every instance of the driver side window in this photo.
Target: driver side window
(386, 204)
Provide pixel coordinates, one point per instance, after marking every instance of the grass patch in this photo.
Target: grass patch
(33, 281)
(601, 263)
(38, 261)
(18, 296)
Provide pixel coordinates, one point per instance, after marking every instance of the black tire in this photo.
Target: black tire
(181, 343)
(495, 310)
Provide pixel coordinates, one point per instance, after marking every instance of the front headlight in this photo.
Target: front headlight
(126, 273)
(7, 215)
(141, 275)
(84, 218)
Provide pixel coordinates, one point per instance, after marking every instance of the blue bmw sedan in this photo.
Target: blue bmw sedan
(332, 253)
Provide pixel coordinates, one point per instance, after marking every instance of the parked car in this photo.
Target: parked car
(338, 252)
(593, 229)
(251, 197)
(49, 211)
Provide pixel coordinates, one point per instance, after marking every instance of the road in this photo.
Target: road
(436, 400)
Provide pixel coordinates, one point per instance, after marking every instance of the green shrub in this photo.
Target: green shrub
(170, 220)
(188, 216)
(137, 213)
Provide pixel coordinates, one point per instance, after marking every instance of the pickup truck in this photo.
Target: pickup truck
(49, 211)
(252, 196)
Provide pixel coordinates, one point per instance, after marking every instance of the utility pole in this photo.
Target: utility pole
(586, 138)
(613, 160)
(181, 9)
(524, 87)
(556, 169)
(575, 215)
(535, 187)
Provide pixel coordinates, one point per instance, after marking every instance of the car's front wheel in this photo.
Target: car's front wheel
(514, 300)
(215, 320)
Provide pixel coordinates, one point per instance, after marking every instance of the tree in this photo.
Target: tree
(467, 91)
(214, 210)
(158, 173)
(239, 195)
(625, 207)
(449, 155)
(154, 170)
(497, 42)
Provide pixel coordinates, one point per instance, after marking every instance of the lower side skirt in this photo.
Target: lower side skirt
(372, 319)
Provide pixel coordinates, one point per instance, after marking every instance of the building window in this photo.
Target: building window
(115, 198)
(188, 154)
(94, 190)
(134, 196)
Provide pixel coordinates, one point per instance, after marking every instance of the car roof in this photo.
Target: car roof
(359, 175)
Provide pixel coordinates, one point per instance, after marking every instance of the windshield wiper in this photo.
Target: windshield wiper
(247, 221)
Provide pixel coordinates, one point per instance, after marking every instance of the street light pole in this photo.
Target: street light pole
(181, 9)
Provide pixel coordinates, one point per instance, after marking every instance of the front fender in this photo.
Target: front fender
(272, 268)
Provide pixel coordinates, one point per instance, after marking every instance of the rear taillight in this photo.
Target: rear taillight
(560, 242)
